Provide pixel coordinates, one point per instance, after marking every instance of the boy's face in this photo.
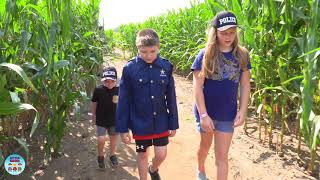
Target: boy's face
(109, 83)
(148, 53)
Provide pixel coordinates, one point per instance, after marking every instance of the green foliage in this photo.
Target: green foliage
(52, 47)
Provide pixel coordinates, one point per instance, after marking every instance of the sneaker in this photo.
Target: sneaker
(154, 175)
(201, 176)
(101, 164)
(114, 161)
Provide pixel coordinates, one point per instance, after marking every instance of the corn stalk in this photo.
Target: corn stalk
(309, 123)
(57, 43)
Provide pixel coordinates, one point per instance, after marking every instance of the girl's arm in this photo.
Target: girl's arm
(244, 98)
(205, 120)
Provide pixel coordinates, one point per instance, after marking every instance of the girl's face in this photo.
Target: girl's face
(148, 53)
(109, 83)
(226, 38)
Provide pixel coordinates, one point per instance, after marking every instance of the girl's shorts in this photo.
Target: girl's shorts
(223, 126)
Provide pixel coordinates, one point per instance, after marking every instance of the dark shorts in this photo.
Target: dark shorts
(142, 145)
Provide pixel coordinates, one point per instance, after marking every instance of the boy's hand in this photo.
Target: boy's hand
(172, 133)
(126, 138)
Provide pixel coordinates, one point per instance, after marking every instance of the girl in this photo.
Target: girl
(217, 72)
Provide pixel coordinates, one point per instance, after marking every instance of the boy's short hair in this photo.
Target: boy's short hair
(147, 37)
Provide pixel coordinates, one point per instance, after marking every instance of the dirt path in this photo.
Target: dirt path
(248, 159)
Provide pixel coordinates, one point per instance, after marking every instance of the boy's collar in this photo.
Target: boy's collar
(155, 62)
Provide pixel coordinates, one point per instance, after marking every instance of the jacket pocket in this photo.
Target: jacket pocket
(141, 88)
(163, 84)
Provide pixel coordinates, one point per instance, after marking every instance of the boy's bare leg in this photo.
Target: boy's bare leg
(160, 154)
(142, 159)
(113, 144)
(101, 142)
(205, 143)
(222, 143)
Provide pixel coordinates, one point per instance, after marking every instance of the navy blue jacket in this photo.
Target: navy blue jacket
(147, 98)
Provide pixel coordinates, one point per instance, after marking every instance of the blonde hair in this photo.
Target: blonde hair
(212, 54)
(147, 37)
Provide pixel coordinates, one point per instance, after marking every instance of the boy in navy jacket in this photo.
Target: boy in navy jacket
(147, 103)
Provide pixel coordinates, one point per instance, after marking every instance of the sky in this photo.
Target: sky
(117, 12)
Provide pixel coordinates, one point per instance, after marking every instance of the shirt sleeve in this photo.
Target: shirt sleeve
(197, 63)
(95, 95)
(116, 91)
(123, 107)
(172, 104)
(248, 63)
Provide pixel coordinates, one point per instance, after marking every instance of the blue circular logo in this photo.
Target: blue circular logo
(14, 164)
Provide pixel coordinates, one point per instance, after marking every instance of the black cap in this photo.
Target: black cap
(224, 20)
(109, 73)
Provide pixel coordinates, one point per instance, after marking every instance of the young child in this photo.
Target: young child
(217, 71)
(147, 103)
(104, 103)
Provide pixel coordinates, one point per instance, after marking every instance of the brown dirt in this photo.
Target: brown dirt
(248, 158)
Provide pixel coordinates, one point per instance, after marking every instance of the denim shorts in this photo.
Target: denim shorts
(223, 126)
(101, 131)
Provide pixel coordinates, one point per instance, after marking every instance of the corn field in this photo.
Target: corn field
(52, 50)
(49, 53)
(283, 37)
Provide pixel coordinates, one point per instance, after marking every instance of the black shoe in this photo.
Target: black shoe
(101, 164)
(154, 175)
(114, 161)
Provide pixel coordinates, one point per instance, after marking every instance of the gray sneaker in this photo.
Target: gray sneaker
(101, 163)
(201, 176)
(114, 161)
(154, 175)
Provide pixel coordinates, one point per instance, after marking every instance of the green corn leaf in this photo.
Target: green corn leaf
(259, 108)
(61, 64)
(23, 143)
(316, 122)
(21, 73)
(3, 81)
(1, 157)
(238, 11)
(272, 10)
(14, 97)
(292, 79)
(317, 50)
(217, 7)
(7, 108)
(2, 8)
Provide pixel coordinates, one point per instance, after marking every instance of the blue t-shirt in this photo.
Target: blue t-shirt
(221, 89)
